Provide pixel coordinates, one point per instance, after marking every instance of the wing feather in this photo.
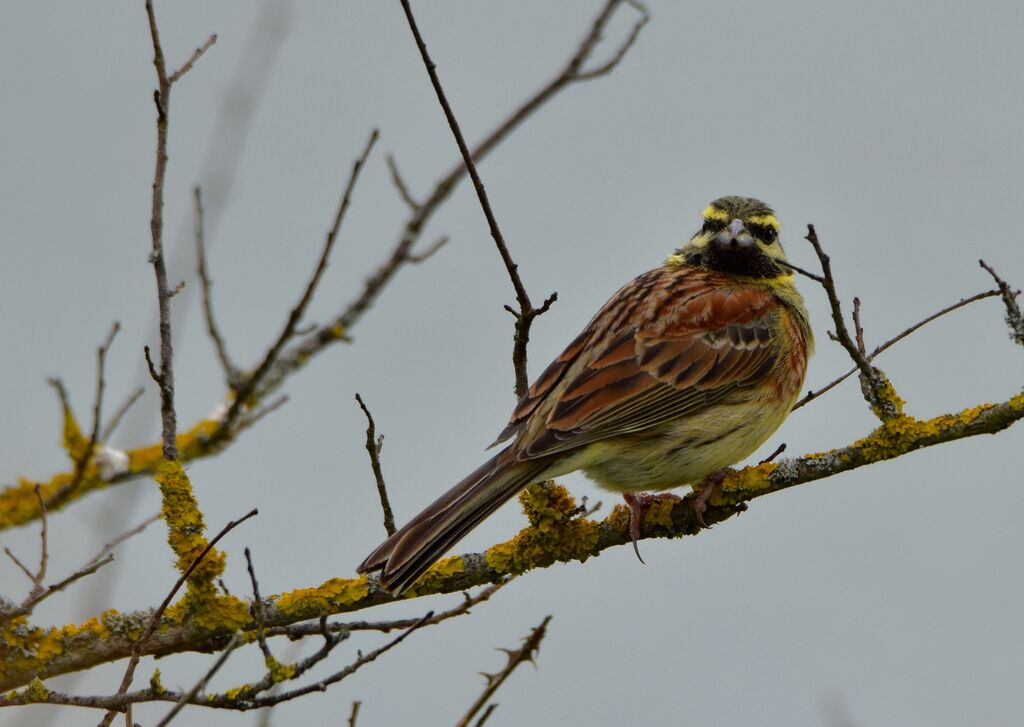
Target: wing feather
(669, 349)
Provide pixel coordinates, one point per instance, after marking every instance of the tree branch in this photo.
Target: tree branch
(373, 447)
(527, 313)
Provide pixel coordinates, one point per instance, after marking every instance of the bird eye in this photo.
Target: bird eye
(764, 233)
(710, 226)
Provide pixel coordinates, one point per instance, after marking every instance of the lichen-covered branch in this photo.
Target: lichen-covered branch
(556, 534)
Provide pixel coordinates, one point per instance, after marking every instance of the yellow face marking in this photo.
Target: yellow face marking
(713, 213)
(764, 220)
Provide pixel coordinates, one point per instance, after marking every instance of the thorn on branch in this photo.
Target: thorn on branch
(373, 447)
(525, 653)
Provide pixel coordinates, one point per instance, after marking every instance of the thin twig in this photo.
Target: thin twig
(487, 714)
(811, 395)
(21, 566)
(354, 714)
(205, 284)
(872, 380)
(109, 547)
(44, 552)
(56, 499)
(607, 67)
(527, 313)
(257, 609)
(143, 641)
(119, 413)
(196, 55)
(245, 390)
(531, 644)
(373, 447)
(1014, 317)
(426, 254)
(403, 190)
(200, 685)
(34, 600)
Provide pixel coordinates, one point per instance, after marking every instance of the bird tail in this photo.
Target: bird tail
(407, 554)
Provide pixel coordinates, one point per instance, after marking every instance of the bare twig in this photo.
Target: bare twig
(230, 372)
(858, 328)
(873, 381)
(525, 653)
(527, 313)
(200, 685)
(196, 55)
(21, 566)
(426, 254)
(56, 499)
(1014, 317)
(245, 390)
(354, 714)
(487, 714)
(143, 641)
(403, 190)
(811, 395)
(36, 598)
(119, 413)
(771, 457)
(44, 552)
(607, 67)
(109, 547)
(257, 609)
(373, 447)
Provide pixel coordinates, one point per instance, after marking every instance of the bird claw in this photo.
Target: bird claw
(704, 491)
(637, 503)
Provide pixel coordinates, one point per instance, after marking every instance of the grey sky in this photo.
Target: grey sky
(894, 591)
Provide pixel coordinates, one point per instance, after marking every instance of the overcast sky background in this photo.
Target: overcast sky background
(890, 595)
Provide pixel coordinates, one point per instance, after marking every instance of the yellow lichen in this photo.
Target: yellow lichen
(439, 574)
(185, 530)
(335, 595)
(554, 535)
(191, 443)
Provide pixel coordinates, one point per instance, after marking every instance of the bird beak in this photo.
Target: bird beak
(735, 235)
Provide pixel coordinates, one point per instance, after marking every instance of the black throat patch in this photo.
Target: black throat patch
(743, 262)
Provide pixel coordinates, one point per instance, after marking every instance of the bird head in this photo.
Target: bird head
(740, 237)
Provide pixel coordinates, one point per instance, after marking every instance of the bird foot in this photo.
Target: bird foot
(637, 503)
(708, 486)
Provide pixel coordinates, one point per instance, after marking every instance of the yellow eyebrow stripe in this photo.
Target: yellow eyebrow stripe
(713, 213)
(766, 220)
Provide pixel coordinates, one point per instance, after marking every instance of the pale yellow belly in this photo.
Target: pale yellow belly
(681, 452)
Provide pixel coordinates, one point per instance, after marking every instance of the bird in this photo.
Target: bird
(686, 370)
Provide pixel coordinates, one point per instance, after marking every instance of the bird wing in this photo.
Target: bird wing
(655, 352)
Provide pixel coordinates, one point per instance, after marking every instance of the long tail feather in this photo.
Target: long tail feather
(407, 554)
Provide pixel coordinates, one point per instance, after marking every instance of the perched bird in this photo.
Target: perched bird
(688, 369)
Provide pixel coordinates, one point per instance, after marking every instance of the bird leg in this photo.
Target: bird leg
(637, 503)
(705, 490)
